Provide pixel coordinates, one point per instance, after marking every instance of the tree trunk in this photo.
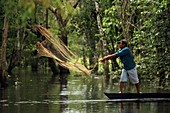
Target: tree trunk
(3, 79)
(16, 57)
(14, 60)
(125, 20)
(106, 64)
(51, 61)
(62, 25)
(64, 39)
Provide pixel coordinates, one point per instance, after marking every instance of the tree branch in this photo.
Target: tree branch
(76, 4)
(52, 9)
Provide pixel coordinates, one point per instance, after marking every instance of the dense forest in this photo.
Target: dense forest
(91, 29)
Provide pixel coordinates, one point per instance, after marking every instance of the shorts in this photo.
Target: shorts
(131, 74)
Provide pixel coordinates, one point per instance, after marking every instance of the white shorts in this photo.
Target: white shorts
(131, 74)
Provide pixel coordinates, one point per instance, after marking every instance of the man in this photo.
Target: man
(129, 66)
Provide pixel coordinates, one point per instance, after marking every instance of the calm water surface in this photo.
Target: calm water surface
(40, 93)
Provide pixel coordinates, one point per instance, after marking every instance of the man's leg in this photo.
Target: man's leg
(134, 78)
(123, 78)
(121, 87)
(137, 87)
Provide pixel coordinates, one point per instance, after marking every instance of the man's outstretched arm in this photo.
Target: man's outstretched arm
(108, 57)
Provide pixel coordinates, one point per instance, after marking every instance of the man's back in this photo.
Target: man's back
(126, 58)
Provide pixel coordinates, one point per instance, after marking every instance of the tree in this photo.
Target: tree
(103, 39)
(3, 78)
(151, 40)
(84, 27)
(63, 13)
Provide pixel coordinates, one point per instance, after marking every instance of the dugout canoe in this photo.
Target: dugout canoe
(138, 95)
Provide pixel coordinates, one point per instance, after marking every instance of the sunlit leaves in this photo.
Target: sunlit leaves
(46, 3)
(66, 8)
(29, 5)
(110, 22)
(150, 33)
(154, 35)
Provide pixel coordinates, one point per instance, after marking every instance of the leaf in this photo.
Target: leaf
(46, 3)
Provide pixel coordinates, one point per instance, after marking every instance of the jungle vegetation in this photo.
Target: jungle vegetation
(90, 28)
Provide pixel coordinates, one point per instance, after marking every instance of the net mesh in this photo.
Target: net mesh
(65, 57)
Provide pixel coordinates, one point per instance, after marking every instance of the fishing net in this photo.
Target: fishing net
(65, 57)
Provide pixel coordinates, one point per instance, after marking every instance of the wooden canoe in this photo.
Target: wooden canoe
(138, 95)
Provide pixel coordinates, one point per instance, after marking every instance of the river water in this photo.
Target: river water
(41, 93)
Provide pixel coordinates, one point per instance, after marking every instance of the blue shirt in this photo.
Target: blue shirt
(126, 58)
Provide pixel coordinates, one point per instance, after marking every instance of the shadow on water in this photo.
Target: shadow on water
(43, 93)
(63, 94)
(126, 107)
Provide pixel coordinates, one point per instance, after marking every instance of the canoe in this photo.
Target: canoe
(138, 95)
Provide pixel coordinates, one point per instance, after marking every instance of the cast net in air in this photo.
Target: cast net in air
(65, 57)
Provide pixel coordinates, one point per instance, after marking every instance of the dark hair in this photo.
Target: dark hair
(124, 42)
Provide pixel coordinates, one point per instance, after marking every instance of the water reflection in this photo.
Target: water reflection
(41, 93)
(2, 100)
(129, 107)
(63, 92)
(57, 93)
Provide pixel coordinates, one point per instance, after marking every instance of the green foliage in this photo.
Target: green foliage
(148, 20)
(111, 26)
(150, 41)
(84, 24)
